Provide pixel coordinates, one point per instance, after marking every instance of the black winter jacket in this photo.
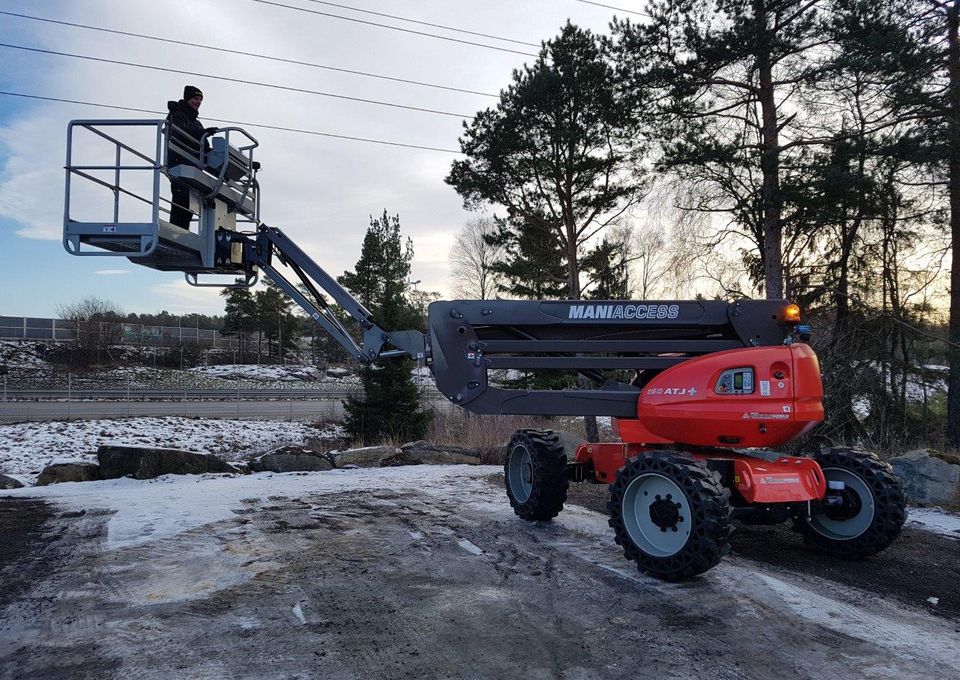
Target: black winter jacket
(189, 133)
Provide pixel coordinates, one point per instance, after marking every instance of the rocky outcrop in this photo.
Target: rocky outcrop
(291, 459)
(421, 453)
(147, 463)
(79, 471)
(414, 453)
(9, 483)
(928, 478)
(370, 456)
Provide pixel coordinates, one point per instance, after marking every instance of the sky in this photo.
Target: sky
(320, 191)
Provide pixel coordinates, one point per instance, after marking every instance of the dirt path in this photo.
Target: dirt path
(21, 525)
(394, 577)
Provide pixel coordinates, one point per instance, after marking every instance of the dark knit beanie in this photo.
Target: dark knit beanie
(189, 92)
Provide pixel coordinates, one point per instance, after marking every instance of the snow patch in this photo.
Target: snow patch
(935, 520)
(900, 637)
(25, 448)
(151, 510)
(287, 372)
(470, 547)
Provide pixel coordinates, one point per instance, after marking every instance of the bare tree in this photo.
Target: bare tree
(652, 256)
(97, 324)
(472, 257)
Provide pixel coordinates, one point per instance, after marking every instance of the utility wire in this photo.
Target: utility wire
(238, 80)
(618, 9)
(234, 122)
(394, 28)
(424, 23)
(244, 53)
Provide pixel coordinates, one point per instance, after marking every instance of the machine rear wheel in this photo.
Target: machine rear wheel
(671, 515)
(872, 512)
(535, 471)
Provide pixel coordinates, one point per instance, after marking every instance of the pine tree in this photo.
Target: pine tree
(240, 314)
(561, 152)
(532, 262)
(390, 408)
(724, 71)
(607, 266)
(277, 320)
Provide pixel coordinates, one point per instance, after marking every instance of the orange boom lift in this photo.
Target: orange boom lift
(701, 394)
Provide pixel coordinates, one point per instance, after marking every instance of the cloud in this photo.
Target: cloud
(320, 191)
(179, 297)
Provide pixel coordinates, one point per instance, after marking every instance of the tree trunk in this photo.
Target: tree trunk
(769, 165)
(953, 385)
(573, 293)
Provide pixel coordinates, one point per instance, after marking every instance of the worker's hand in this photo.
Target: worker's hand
(211, 131)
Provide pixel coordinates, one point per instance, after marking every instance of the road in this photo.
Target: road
(411, 572)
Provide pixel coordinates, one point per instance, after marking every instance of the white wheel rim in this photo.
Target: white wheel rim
(640, 496)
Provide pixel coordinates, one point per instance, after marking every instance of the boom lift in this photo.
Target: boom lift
(717, 386)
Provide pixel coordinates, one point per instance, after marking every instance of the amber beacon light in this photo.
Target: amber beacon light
(792, 314)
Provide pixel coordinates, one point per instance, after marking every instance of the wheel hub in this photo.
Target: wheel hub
(656, 515)
(665, 513)
(847, 512)
(843, 504)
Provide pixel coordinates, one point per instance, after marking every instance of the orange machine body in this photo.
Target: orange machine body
(758, 397)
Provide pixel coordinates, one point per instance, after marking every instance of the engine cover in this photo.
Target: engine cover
(753, 397)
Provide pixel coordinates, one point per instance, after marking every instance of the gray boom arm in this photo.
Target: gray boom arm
(467, 338)
(271, 243)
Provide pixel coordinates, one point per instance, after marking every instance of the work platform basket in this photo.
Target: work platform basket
(117, 198)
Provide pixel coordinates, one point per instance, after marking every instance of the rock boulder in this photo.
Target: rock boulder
(370, 456)
(928, 479)
(78, 471)
(9, 482)
(290, 459)
(421, 453)
(147, 463)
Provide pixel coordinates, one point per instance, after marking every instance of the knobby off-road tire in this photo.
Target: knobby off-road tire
(671, 515)
(881, 513)
(535, 471)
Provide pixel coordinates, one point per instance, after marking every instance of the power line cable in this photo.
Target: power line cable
(238, 80)
(244, 53)
(424, 23)
(618, 9)
(394, 28)
(235, 122)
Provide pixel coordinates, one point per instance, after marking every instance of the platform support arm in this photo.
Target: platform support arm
(272, 243)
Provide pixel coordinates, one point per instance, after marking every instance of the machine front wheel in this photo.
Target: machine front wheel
(867, 509)
(535, 471)
(671, 515)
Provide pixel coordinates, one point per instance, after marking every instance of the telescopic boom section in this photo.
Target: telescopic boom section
(270, 245)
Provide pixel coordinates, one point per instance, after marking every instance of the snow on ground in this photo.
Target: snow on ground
(26, 447)
(21, 354)
(919, 388)
(935, 520)
(173, 504)
(261, 372)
